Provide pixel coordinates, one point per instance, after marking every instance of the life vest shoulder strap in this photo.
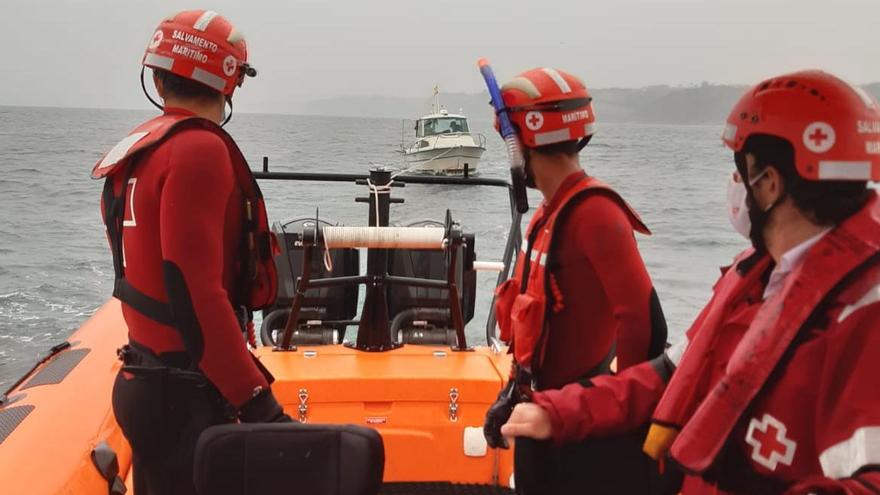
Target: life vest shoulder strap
(591, 186)
(144, 136)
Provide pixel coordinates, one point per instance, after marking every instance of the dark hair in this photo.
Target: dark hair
(825, 202)
(182, 87)
(568, 148)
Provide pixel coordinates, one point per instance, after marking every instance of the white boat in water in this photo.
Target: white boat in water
(444, 144)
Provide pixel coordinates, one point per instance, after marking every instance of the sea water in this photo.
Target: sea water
(55, 266)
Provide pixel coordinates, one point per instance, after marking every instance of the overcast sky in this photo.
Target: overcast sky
(87, 53)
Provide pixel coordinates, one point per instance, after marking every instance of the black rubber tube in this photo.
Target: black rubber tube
(266, 326)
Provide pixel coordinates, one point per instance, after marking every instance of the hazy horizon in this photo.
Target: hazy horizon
(67, 53)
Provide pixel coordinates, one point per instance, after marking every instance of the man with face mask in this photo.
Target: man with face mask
(192, 254)
(580, 296)
(774, 387)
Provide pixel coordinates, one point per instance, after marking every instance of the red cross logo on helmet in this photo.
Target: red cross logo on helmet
(157, 38)
(769, 444)
(819, 137)
(534, 120)
(229, 65)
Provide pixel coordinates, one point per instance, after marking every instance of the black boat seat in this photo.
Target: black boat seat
(323, 309)
(421, 315)
(289, 458)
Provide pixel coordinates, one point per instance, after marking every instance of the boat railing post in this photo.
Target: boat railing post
(374, 329)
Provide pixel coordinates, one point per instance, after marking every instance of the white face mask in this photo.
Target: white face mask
(737, 211)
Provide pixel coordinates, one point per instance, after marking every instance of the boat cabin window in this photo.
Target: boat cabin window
(444, 125)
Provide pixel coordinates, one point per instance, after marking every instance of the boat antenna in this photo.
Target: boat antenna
(436, 99)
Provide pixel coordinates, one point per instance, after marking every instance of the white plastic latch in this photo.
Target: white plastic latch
(474, 441)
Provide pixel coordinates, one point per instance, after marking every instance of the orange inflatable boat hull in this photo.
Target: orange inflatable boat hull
(428, 402)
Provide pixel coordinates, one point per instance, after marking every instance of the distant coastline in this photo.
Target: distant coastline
(699, 104)
(703, 104)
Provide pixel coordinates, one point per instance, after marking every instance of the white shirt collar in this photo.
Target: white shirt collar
(789, 261)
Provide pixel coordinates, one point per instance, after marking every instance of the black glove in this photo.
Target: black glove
(263, 408)
(498, 414)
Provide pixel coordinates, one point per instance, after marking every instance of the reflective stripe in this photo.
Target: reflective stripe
(211, 80)
(524, 85)
(205, 19)
(158, 61)
(675, 352)
(551, 137)
(869, 298)
(557, 78)
(121, 149)
(729, 132)
(234, 37)
(589, 129)
(540, 258)
(841, 170)
(847, 457)
(133, 222)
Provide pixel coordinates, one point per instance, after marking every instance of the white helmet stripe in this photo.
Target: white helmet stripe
(844, 170)
(544, 138)
(158, 61)
(209, 79)
(557, 78)
(234, 37)
(205, 19)
(524, 85)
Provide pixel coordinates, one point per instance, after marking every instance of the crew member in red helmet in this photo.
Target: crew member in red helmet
(193, 256)
(774, 387)
(580, 296)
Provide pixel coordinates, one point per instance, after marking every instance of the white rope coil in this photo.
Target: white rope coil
(384, 237)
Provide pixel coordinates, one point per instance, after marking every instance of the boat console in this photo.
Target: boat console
(420, 285)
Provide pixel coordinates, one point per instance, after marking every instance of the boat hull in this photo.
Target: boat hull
(69, 413)
(451, 161)
(405, 394)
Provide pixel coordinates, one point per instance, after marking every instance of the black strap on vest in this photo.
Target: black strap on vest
(528, 381)
(114, 218)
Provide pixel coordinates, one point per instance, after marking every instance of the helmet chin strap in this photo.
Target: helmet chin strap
(227, 101)
(147, 93)
(228, 115)
(584, 142)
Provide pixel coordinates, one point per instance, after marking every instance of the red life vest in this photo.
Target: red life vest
(258, 279)
(521, 305)
(693, 427)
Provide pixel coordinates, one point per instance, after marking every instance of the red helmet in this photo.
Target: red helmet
(549, 106)
(201, 45)
(834, 127)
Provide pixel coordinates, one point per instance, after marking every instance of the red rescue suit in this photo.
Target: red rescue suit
(579, 288)
(768, 396)
(191, 244)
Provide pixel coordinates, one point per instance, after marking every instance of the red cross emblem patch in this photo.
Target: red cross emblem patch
(769, 444)
(534, 120)
(819, 137)
(229, 65)
(156, 39)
